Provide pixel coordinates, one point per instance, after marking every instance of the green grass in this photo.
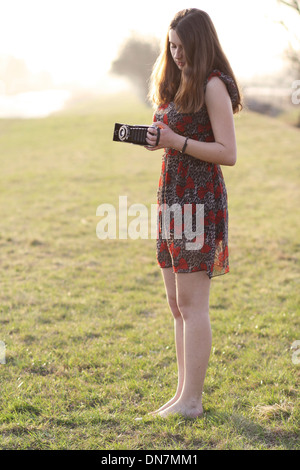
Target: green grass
(88, 333)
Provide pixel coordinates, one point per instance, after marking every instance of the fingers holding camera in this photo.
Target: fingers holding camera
(160, 136)
(153, 136)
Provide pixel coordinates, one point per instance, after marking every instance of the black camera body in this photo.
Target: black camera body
(133, 134)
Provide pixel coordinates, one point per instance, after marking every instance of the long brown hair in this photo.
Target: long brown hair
(203, 54)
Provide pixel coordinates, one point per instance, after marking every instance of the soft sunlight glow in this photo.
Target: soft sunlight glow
(33, 104)
(75, 40)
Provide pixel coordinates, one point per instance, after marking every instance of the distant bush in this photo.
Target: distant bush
(262, 107)
(135, 61)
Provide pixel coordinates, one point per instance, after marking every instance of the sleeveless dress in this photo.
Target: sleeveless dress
(196, 187)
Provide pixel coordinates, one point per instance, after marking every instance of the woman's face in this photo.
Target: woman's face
(176, 49)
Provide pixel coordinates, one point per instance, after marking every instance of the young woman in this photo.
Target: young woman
(196, 95)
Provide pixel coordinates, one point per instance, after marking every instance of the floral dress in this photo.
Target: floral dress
(191, 184)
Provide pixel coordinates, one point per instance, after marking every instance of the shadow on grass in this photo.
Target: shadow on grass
(257, 435)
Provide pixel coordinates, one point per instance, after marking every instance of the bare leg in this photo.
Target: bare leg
(193, 302)
(170, 285)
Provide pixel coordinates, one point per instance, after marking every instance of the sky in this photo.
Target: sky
(76, 40)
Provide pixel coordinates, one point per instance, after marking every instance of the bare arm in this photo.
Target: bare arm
(219, 108)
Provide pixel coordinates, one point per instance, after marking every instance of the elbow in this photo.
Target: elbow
(232, 160)
(229, 160)
(231, 157)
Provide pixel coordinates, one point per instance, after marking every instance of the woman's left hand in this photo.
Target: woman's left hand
(166, 136)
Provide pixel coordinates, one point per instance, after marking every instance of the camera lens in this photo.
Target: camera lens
(123, 133)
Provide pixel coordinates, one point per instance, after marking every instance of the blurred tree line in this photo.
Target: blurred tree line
(293, 51)
(135, 61)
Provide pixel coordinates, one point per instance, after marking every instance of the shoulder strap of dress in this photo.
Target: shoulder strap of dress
(214, 73)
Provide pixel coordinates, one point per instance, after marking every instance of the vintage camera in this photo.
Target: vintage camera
(133, 134)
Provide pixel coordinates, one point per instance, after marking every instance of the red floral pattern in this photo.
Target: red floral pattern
(188, 180)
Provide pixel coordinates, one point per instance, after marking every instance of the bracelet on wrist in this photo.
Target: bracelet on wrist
(185, 145)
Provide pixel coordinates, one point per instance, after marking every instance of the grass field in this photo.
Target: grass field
(88, 333)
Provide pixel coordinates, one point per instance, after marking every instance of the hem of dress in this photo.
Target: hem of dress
(209, 274)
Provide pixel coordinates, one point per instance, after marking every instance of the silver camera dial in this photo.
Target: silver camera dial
(123, 132)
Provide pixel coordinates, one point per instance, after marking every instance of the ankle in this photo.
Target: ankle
(191, 401)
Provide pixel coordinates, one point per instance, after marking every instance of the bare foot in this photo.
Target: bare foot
(189, 410)
(166, 405)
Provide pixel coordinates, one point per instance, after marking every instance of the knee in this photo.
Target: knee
(174, 307)
(189, 310)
